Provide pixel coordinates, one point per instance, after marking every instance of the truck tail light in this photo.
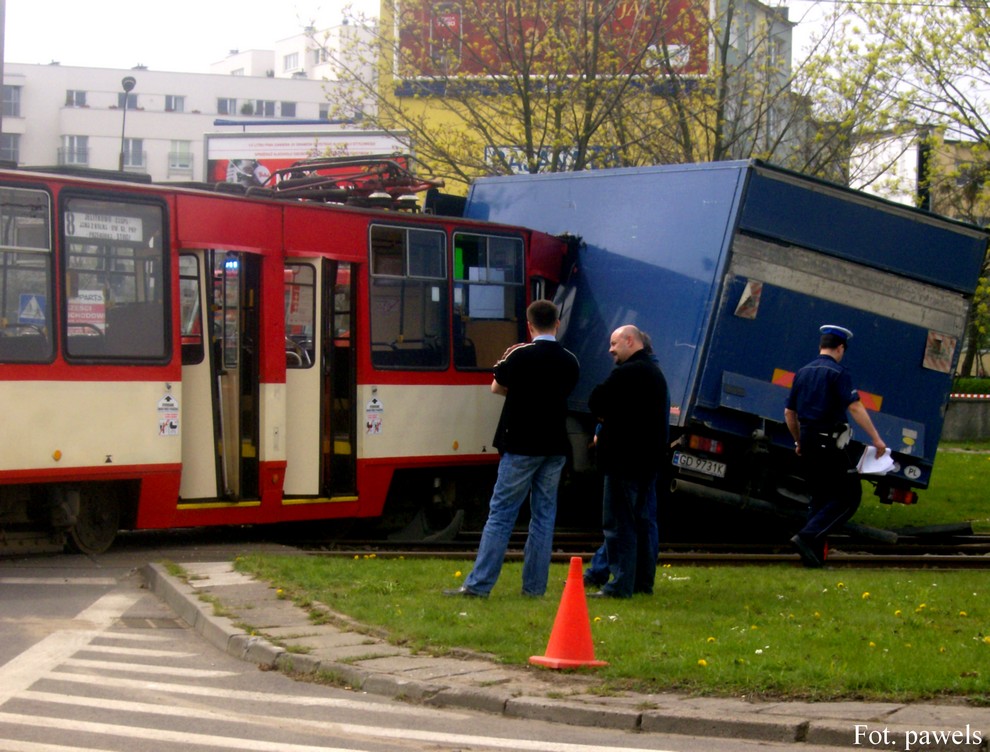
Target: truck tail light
(704, 444)
(899, 496)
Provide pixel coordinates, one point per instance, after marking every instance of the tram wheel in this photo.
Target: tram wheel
(97, 522)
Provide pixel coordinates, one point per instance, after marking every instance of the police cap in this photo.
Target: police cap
(838, 331)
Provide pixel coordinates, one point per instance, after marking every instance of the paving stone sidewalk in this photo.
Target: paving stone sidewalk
(285, 638)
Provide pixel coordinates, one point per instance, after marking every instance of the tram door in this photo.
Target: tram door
(235, 362)
(319, 377)
(339, 380)
(200, 456)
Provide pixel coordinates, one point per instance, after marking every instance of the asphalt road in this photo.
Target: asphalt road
(91, 661)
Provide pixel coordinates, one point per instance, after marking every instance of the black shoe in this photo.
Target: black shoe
(808, 557)
(464, 592)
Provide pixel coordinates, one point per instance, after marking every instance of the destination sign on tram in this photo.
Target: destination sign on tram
(104, 227)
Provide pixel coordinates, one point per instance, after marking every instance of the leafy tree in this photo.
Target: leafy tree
(480, 88)
(926, 68)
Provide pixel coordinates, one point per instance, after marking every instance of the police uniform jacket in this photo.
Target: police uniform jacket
(820, 395)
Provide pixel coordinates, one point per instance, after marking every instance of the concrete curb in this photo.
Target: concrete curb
(367, 662)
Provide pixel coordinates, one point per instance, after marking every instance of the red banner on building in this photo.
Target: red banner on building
(480, 38)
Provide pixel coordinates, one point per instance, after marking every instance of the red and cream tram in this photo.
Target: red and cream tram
(175, 357)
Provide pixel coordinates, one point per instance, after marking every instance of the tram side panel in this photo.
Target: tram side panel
(149, 347)
(85, 356)
(405, 399)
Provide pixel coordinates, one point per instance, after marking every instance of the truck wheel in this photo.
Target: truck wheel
(97, 522)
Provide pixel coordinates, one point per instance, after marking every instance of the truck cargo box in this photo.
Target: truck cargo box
(731, 267)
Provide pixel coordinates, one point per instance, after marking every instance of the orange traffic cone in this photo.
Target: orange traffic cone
(570, 643)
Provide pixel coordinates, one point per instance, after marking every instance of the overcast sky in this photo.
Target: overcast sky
(164, 35)
(183, 35)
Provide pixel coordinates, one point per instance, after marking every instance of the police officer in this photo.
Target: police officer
(815, 414)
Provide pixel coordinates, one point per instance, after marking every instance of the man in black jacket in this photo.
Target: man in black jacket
(535, 378)
(633, 406)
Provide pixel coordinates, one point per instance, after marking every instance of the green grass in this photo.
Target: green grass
(771, 631)
(957, 493)
(779, 631)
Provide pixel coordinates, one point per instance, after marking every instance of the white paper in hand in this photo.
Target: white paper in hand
(870, 464)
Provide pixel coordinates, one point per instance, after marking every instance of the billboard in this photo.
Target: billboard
(481, 38)
(252, 158)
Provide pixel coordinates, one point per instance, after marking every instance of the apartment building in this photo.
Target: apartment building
(76, 116)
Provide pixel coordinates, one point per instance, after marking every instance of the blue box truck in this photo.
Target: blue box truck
(731, 267)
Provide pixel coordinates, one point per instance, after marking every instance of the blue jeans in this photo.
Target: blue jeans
(598, 571)
(629, 534)
(518, 475)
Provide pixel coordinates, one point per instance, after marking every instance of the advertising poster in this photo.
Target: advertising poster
(252, 158)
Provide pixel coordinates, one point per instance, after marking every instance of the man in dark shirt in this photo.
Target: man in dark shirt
(535, 379)
(815, 414)
(633, 405)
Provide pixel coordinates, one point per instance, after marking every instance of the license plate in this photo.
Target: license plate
(699, 465)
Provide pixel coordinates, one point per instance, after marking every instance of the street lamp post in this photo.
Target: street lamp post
(128, 82)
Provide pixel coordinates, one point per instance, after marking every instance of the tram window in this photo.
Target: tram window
(25, 276)
(489, 298)
(408, 298)
(191, 310)
(115, 280)
(300, 315)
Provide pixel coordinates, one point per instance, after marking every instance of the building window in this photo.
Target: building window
(180, 158)
(75, 150)
(324, 112)
(75, 98)
(290, 62)
(131, 100)
(288, 109)
(237, 72)
(226, 106)
(10, 147)
(175, 103)
(12, 101)
(264, 108)
(134, 152)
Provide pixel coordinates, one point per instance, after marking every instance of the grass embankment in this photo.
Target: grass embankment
(769, 631)
(958, 493)
(779, 631)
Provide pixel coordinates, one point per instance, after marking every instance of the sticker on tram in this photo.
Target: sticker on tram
(168, 416)
(373, 416)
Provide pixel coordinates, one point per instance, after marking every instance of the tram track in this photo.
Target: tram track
(958, 552)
